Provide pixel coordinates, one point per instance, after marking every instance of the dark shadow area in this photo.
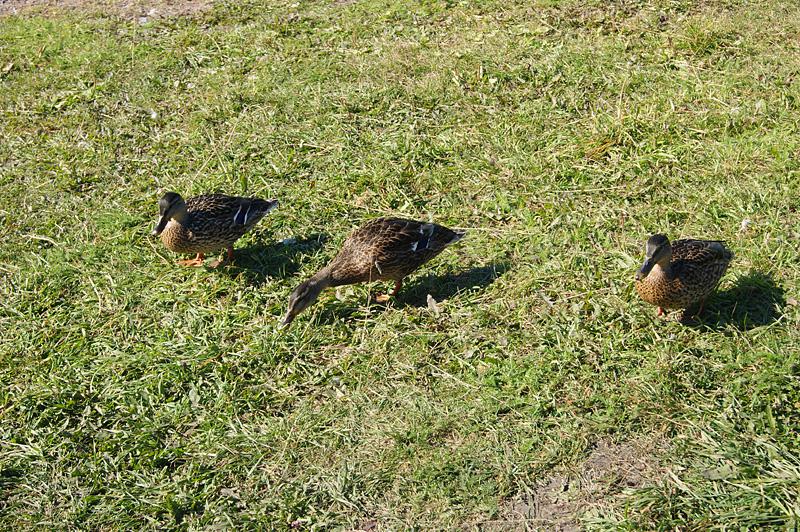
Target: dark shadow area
(258, 263)
(755, 300)
(443, 287)
(440, 287)
(338, 310)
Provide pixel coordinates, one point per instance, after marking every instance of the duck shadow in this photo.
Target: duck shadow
(753, 301)
(443, 287)
(258, 263)
(440, 287)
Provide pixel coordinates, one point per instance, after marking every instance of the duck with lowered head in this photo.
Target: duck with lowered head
(383, 249)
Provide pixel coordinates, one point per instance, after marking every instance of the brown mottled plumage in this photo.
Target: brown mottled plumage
(207, 223)
(677, 275)
(384, 249)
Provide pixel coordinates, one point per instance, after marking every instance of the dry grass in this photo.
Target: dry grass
(139, 10)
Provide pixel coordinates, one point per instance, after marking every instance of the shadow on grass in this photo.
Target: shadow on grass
(440, 287)
(258, 263)
(755, 300)
(443, 287)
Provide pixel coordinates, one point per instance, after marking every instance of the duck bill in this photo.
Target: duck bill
(644, 271)
(161, 225)
(287, 320)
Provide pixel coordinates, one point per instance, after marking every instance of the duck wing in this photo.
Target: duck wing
(690, 255)
(391, 248)
(701, 251)
(399, 237)
(234, 211)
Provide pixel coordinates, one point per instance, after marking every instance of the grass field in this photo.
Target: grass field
(543, 394)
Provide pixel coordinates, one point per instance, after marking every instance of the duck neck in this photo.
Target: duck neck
(663, 268)
(181, 216)
(323, 278)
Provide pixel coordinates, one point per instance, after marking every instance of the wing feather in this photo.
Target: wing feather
(391, 248)
(240, 211)
(701, 252)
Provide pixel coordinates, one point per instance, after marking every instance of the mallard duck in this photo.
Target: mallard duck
(383, 249)
(678, 275)
(207, 223)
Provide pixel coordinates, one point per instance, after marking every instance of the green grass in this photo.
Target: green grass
(137, 394)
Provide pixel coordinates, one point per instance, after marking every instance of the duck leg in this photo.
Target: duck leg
(229, 258)
(383, 298)
(195, 262)
(702, 306)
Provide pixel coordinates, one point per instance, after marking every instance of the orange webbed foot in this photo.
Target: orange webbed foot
(195, 262)
(216, 263)
(384, 298)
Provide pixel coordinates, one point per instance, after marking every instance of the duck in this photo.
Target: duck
(680, 274)
(383, 249)
(207, 223)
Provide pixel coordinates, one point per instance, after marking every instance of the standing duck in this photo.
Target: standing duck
(678, 275)
(383, 249)
(207, 223)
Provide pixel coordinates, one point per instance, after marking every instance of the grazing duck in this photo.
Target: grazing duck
(678, 275)
(383, 249)
(207, 223)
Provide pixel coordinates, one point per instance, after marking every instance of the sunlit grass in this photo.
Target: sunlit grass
(137, 394)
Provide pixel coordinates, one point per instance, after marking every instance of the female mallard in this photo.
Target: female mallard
(680, 274)
(207, 223)
(384, 249)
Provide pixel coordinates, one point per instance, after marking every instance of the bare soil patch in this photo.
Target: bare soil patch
(558, 502)
(133, 9)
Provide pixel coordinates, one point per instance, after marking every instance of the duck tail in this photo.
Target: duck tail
(264, 206)
(438, 237)
(457, 235)
(252, 210)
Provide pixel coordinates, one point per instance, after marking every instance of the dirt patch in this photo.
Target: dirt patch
(142, 10)
(558, 502)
